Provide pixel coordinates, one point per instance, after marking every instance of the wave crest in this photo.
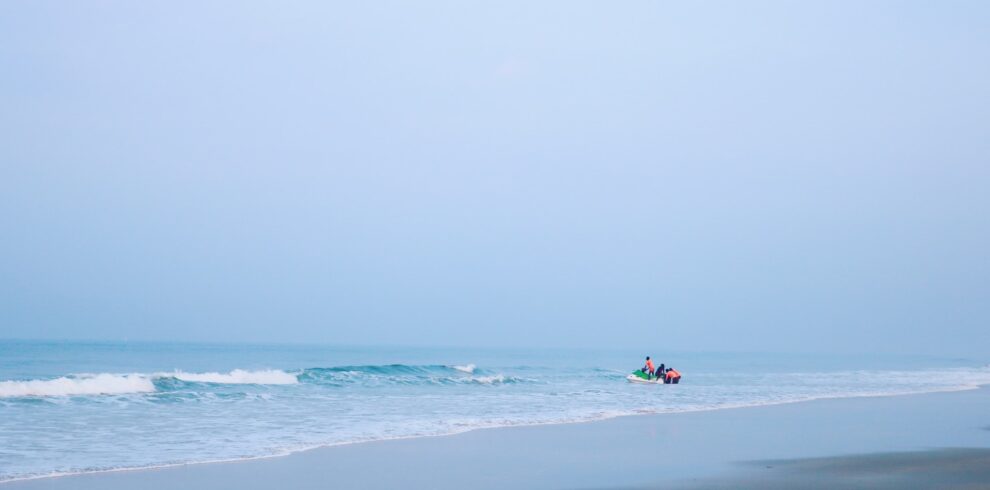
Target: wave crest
(339, 376)
(238, 377)
(405, 374)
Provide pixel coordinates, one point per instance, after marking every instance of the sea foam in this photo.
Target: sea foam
(238, 377)
(118, 384)
(85, 384)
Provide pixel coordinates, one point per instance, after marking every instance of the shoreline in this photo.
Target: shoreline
(291, 452)
(726, 412)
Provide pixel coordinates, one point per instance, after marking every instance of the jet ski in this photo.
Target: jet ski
(640, 377)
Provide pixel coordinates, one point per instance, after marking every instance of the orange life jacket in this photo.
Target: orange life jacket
(673, 374)
(649, 365)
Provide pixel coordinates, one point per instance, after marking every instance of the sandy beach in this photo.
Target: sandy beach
(935, 440)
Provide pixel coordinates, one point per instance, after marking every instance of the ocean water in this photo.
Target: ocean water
(71, 407)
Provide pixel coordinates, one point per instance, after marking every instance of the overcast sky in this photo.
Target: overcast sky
(777, 176)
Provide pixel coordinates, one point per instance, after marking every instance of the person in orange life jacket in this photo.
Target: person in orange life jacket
(648, 368)
(672, 377)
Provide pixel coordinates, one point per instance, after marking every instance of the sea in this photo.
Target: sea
(77, 407)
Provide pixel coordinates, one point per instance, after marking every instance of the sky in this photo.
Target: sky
(703, 176)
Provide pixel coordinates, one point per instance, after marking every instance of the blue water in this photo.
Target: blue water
(74, 407)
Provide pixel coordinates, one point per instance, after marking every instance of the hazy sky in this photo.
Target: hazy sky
(801, 176)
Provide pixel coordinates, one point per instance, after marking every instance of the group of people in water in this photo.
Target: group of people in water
(668, 375)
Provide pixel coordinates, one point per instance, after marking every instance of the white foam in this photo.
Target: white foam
(467, 368)
(239, 377)
(498, 378)
(87, 384)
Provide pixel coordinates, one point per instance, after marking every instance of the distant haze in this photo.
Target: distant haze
(778, 176)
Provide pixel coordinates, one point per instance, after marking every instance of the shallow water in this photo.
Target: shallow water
(73, 407)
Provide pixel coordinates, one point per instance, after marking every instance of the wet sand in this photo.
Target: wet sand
(967, 468)
(917, 441)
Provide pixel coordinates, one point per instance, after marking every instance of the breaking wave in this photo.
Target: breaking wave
(238, 377)
(406, 375)
(117, 384)
(83, 384)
